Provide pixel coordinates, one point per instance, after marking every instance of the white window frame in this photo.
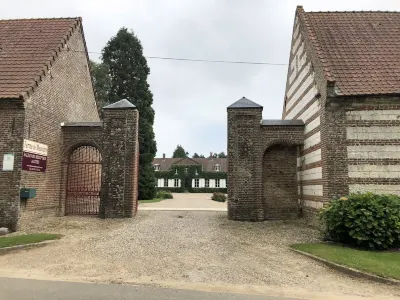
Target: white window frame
(207, 183)
(165, 182)
(157, 167)
(196, 182)
(217, 183)
(217, 168)
(176, 182)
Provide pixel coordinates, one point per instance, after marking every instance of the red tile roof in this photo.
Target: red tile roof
(27, 49)
(360, 51)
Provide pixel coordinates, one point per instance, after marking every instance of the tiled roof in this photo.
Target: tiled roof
(359, 51)
(208, 163)
(27, 49)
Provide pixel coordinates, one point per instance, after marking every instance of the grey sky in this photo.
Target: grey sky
(190, 98)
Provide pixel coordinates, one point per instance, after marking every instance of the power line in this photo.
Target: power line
(201, 60)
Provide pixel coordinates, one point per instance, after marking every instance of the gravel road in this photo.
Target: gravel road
(188, 249)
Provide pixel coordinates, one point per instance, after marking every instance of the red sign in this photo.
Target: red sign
(33, 162)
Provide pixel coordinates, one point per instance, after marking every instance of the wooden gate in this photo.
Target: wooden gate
(83, 182)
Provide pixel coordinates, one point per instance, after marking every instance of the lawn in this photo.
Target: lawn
(26, 239)
(151, 200)
(384, 263)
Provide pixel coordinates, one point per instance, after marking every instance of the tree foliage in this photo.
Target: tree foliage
(102, 83)
(180, 152)
(195, 155)
(128, 71)
(222, 155)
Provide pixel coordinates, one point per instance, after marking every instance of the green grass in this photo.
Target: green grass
(384, 264)
(151, 201)
(26, 239)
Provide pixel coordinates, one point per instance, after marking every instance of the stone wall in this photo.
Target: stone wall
(365, 153)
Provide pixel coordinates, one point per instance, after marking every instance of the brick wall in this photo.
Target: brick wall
(369, 130)
(248, 141)
(11, 130)
(280, 182)
(64, 95)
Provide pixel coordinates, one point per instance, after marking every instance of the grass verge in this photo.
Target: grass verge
(151, 200)
(383, 263)
(24, 239)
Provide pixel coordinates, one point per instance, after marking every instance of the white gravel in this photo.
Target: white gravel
(193, 248)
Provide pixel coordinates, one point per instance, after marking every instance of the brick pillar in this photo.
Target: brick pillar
(119, 193)
(11, 141)
(244, 161)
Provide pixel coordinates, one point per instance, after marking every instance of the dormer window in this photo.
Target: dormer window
(176, 171)
(217, 168)
(186, 170)
(157, 167)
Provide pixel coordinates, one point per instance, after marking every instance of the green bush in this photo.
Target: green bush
(363, 220)
(164, 195)
(219, 197)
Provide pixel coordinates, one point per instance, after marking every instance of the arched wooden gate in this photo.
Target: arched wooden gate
(83, 181)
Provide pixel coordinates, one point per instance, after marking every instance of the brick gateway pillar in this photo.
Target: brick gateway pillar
(117, 139)
(260, 187)
(119, 192)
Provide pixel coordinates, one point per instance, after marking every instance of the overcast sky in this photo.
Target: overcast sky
(190, 98)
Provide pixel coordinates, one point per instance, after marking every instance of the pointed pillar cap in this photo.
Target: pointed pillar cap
(244, 103)
(121, 104)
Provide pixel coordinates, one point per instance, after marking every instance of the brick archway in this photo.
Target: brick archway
(83, 181)
(279, 181)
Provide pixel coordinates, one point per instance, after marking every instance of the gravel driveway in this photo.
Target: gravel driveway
(187, 249)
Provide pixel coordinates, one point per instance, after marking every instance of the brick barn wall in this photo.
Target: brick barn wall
(11, 132)
(371, 144)
(304, 98)
(280, 182)
(64, 95)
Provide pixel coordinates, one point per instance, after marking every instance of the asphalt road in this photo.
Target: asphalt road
(24, 289)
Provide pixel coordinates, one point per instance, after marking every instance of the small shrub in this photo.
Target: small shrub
(363, 220)
(164, 195)
(219, 197)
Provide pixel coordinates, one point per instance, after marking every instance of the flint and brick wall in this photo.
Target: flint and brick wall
(11, 132)
(64, 95)
(248, 141)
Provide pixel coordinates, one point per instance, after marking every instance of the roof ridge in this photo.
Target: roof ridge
(41, 19)
(352, 11)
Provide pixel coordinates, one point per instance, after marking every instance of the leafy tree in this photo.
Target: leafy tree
(128, 71)
(222, 155)
(101, 82)
(179, 152)
(198, 156)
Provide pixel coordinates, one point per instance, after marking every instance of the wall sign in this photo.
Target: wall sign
(34, 156)
(8, 162)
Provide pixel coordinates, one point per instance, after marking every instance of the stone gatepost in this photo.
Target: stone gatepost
(244, 166)
(119, 192)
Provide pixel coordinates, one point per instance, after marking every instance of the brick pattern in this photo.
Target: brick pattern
(65, 94)
(280, 182)
(11, 132)
(248, 141)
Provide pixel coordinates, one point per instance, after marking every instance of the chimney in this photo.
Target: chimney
(211, 155)
(163, 156)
